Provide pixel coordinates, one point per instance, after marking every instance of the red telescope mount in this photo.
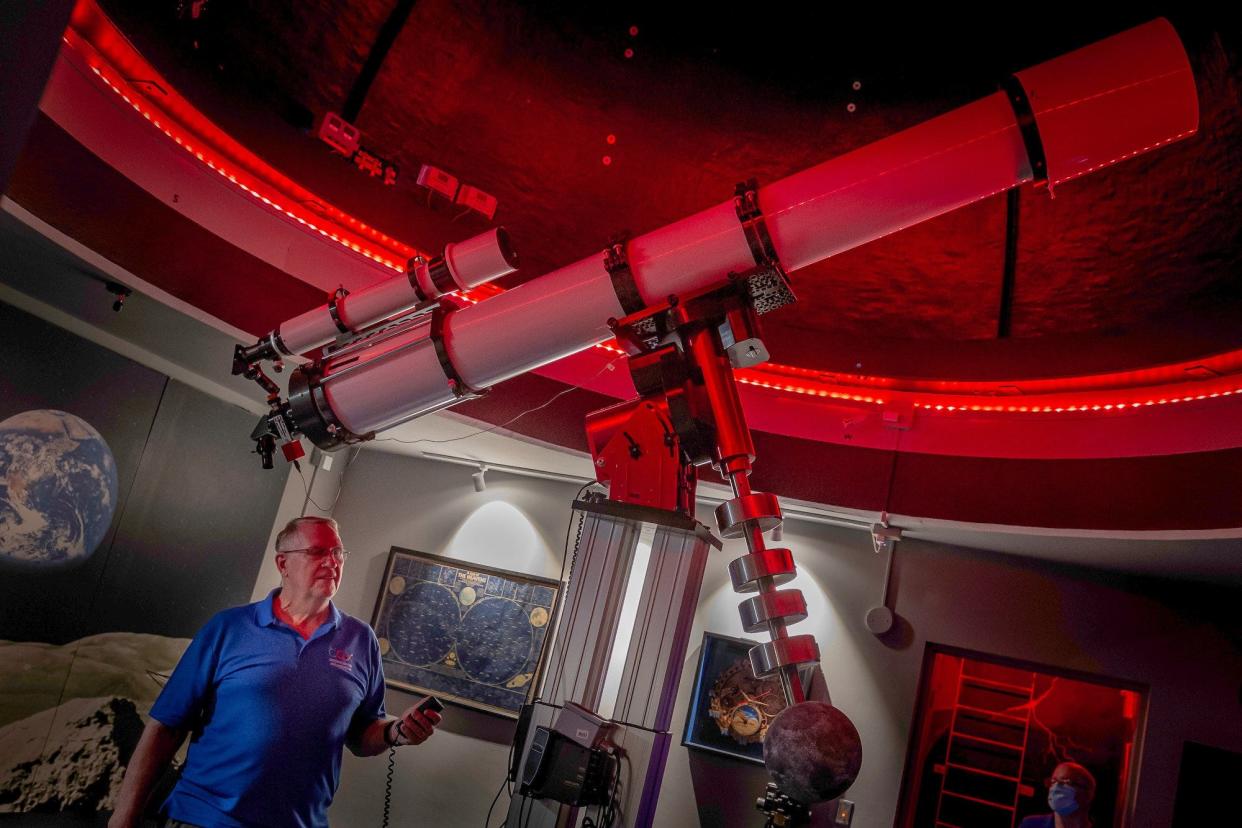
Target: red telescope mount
(681, 354)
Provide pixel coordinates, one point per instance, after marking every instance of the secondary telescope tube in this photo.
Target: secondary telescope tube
(463, 265)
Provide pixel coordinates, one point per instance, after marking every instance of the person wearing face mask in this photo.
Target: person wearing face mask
(270, 693)
(1071, 788)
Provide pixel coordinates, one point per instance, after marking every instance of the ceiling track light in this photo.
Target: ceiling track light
(524, 471)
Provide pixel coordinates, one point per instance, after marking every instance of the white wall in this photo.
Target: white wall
(1180, 640)
(519, 524)
(1160, 634)
(841, 578)
(997, 604)
(304, 494)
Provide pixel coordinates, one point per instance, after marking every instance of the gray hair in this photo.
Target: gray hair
(291, 534)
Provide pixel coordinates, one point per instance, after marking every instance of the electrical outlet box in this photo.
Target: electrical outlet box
(339, 134)
(437, 180)
(845, 812)
(477, 200)
(321, 458)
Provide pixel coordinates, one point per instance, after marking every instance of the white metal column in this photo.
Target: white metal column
(586, 636)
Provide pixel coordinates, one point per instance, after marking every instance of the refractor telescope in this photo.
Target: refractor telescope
(684, 302)
(1060, 120)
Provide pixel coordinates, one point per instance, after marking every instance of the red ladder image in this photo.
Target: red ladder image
(981, 776)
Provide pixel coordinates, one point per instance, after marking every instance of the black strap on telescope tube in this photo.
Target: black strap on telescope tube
(746, 203)
(411, 272)
(460, 389)
(767, 285)
(617, 263)
(441, 277)
(1029, 129)
(340, 294)
(310, 412)
(437, 272)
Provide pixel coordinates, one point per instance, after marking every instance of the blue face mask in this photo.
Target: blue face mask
(1062, 800)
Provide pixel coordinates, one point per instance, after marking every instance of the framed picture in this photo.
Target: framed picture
(469, 634)
(730, 709)
(990, 732)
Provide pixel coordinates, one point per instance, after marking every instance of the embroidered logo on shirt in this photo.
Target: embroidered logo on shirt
(341, 659)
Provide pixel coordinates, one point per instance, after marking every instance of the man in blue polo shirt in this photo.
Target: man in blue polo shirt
(270, 693)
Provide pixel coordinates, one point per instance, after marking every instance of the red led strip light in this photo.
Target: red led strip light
(115, 61)
(1101, 393)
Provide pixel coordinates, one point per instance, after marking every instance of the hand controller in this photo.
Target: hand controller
(430, 703)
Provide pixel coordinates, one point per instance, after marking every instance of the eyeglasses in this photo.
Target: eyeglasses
(1053, 780)
(340, 553)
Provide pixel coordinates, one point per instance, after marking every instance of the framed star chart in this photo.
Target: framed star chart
(469, 634)
(730, 709)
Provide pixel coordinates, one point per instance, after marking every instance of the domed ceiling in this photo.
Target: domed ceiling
(584, 120)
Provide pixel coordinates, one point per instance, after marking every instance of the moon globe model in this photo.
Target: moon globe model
(812, 752)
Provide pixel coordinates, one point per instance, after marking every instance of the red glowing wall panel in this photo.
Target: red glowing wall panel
(988, 733)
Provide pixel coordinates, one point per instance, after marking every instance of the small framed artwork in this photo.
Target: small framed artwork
(730, 709)
(469, 634)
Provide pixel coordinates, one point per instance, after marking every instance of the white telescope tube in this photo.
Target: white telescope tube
(1101, 104)
(464, 265)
